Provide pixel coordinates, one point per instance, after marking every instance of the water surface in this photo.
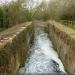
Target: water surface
(43, 59)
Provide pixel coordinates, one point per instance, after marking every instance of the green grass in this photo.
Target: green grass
(2, 29)
(72, 26)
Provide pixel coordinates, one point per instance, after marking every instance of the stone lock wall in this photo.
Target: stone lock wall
(63, 39)
(14, 45)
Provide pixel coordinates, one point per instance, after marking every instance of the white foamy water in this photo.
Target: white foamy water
(43, 58)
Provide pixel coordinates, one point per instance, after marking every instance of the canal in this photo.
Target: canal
(42, 58)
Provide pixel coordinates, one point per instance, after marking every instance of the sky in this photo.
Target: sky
(5, 1)
(35, 1)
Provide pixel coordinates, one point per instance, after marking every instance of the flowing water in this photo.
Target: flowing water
(43, 59)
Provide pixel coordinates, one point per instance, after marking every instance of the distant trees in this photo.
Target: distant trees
(14, 13)
(41, 12)
(62, 9)
(57, 10)
(1, 17)
(67, 10)
(18, 12)
(47, 11)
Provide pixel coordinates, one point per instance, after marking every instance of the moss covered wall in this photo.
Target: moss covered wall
(14, 44)
(63, 39)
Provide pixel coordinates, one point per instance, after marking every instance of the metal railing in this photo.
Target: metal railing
(67, 22)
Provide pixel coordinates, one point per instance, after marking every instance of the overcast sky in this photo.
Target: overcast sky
(8, 1)
(5, 1)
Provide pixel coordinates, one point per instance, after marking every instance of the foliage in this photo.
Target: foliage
(57, 10)
(13, 13)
